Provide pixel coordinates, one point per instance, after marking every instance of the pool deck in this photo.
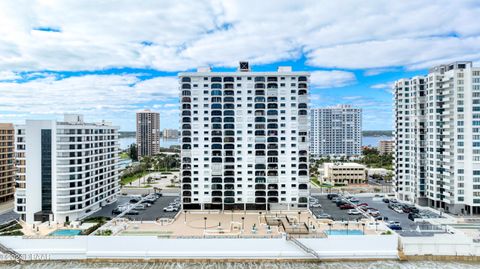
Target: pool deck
(239, 223)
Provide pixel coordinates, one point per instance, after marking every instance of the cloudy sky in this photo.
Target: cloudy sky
(108, 59)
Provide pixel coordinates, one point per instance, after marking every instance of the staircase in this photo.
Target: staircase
(303, 247)
(12, 253)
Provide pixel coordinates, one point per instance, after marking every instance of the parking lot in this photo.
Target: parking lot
(149, 214)
(331, 209)
(337, 214)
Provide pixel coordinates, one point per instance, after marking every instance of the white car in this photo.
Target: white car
(139, 207)
(354, 212)
(170, 209)
(398, 210)
(316, 205)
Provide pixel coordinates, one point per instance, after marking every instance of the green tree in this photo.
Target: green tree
(133, 152)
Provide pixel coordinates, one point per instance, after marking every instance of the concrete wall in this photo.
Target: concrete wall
(151, 247)
(440, 245)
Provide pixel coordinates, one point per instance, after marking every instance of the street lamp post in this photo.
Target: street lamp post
(185, 219)
(205, 225)
(243, 224)
(299, 214)
(363, 224)
(330, 228)
(346, 225)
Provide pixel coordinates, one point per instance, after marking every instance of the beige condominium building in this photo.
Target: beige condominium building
(386, 146)
(7, 162)
(345, 173)
(148, 133)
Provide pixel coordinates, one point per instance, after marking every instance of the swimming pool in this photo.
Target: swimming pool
(344, 232)
(65, 232)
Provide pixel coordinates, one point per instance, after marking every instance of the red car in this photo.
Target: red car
(363, 204)
(347, 206)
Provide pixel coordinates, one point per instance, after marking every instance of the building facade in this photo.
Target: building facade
(170, 134)
(343, 174)
(148, 133)
(66, 169)
(336, 131)
(437, 138)
(244, 139)
(7, 162)
(386, 146)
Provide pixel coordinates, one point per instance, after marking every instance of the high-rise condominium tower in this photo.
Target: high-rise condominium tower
(437, 138)
(148, 133)
(65, 169)
(244, 139)
(336, 131)
(7, 162)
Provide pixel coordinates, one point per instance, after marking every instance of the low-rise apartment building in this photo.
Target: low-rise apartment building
(344, 173)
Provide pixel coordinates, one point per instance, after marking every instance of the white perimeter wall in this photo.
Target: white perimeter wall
(440, 244)
(145, 247)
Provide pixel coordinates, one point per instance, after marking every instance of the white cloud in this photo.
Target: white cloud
(331, 79)
(179, 35)
(98, 96)
(8, 75)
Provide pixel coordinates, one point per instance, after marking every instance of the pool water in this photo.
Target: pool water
(65, 232)
(344, 232)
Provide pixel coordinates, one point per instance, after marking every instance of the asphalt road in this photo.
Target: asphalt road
(149, 214)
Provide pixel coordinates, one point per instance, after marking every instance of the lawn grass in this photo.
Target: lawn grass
(124, 155)
(127, 180)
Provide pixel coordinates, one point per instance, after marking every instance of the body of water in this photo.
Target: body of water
(373, 140)
(248, 265)
(164, 143)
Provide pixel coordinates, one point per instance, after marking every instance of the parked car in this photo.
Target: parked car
(381, 218)
(354, 200)
(116, 211)
(140, 207)
(362, 204)
(324, 216)
(132, 212)
(354, 212)
(330, 196)
(398, 210)
(341, 202)
(386, 200)
(347, 206)
(316, 205)
(170, 209)
(134, 200)
(413, 216)
(395, 227)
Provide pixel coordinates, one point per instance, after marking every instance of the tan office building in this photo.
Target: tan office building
(385, 146)
(7, 162)
(148, 133)
(345, 173)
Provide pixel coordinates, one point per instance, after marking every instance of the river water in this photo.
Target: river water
(166, 143)
(249, 265)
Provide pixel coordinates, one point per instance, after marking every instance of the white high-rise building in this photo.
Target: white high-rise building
(336, 131)
(66, 170)
(437, 138)
(244, 139)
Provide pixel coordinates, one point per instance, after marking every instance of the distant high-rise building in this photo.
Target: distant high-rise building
(437, 138)
(66, 169)
(170, 133)
(244, 139)
(336, 131)
(148, 133)
(7, 162)
(386, 146)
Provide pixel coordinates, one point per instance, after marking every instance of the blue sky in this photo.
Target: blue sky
(109, 59)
